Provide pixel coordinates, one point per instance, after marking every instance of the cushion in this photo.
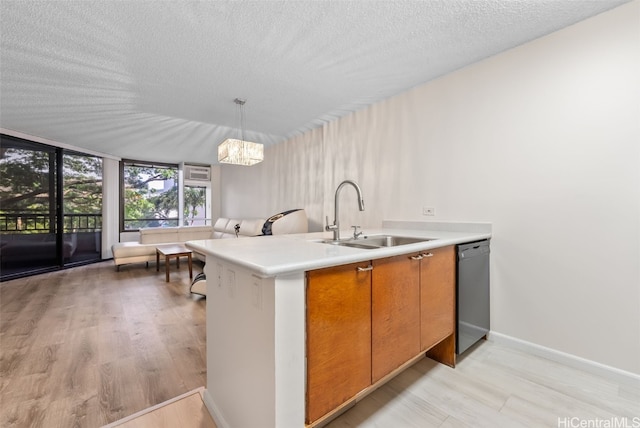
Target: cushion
(220, 228)
(131, 249)
(199, 284)
(194, 233)
(251, 227)
(159, 235)
(226, 228)
(293, 221)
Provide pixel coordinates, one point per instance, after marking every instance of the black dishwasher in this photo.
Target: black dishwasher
(473, 294)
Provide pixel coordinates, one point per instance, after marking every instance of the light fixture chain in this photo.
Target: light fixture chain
(240, 110)
(242, 121)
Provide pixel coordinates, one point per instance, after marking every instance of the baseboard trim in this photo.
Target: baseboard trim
(593, 367)
(153, 408)
(214, 411)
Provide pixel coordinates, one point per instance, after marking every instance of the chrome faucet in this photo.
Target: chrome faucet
(335, 227)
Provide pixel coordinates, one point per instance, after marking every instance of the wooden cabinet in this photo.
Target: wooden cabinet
(338, 336)
(366, 320)
(437, 295)
(395, 313)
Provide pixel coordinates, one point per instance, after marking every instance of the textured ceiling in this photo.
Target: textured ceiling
(156, 80)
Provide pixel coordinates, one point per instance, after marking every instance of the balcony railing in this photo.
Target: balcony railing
(39, 222)
(131, 224)
(42, 222)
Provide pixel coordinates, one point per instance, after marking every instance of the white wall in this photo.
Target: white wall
(542, 140)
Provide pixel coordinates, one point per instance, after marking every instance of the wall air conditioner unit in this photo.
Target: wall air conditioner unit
(197, 173)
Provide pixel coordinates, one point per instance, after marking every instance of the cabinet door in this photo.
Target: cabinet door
(437, 295)
(395, 313)
(338, 336)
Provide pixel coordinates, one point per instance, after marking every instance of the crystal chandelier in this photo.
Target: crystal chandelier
(237, 151)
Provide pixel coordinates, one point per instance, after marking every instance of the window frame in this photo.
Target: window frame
(81, 236)
(145, 164)
(206, 220)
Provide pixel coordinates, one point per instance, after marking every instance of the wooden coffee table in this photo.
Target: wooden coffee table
(170, 251)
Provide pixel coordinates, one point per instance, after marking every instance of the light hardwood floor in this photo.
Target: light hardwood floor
(89, 346)
(496, 386)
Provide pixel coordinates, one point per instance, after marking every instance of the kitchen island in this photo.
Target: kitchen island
(256, 315)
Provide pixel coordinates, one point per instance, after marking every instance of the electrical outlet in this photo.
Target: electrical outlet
(231, 283)
(256, 296)
(428, 211)
(219, 269)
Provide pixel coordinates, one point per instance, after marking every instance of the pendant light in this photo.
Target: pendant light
(237, 151)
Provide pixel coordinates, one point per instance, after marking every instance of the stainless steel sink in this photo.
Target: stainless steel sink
(377, 241)
(391, 241)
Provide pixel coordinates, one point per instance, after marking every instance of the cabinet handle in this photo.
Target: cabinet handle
(364, 269)
(427, 254)
(418, 257)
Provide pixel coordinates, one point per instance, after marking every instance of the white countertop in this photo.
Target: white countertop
(270, 256)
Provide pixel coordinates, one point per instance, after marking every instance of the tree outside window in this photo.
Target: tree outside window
(27, 194)
(150, 196)
(195, 212)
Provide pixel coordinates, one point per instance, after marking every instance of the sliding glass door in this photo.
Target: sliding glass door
(50, 208)
(82, 208)
(28, 240)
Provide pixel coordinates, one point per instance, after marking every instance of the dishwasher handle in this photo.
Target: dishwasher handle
(473, 249)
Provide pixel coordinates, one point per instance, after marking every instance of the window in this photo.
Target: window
(195, 205)
(149, 195)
